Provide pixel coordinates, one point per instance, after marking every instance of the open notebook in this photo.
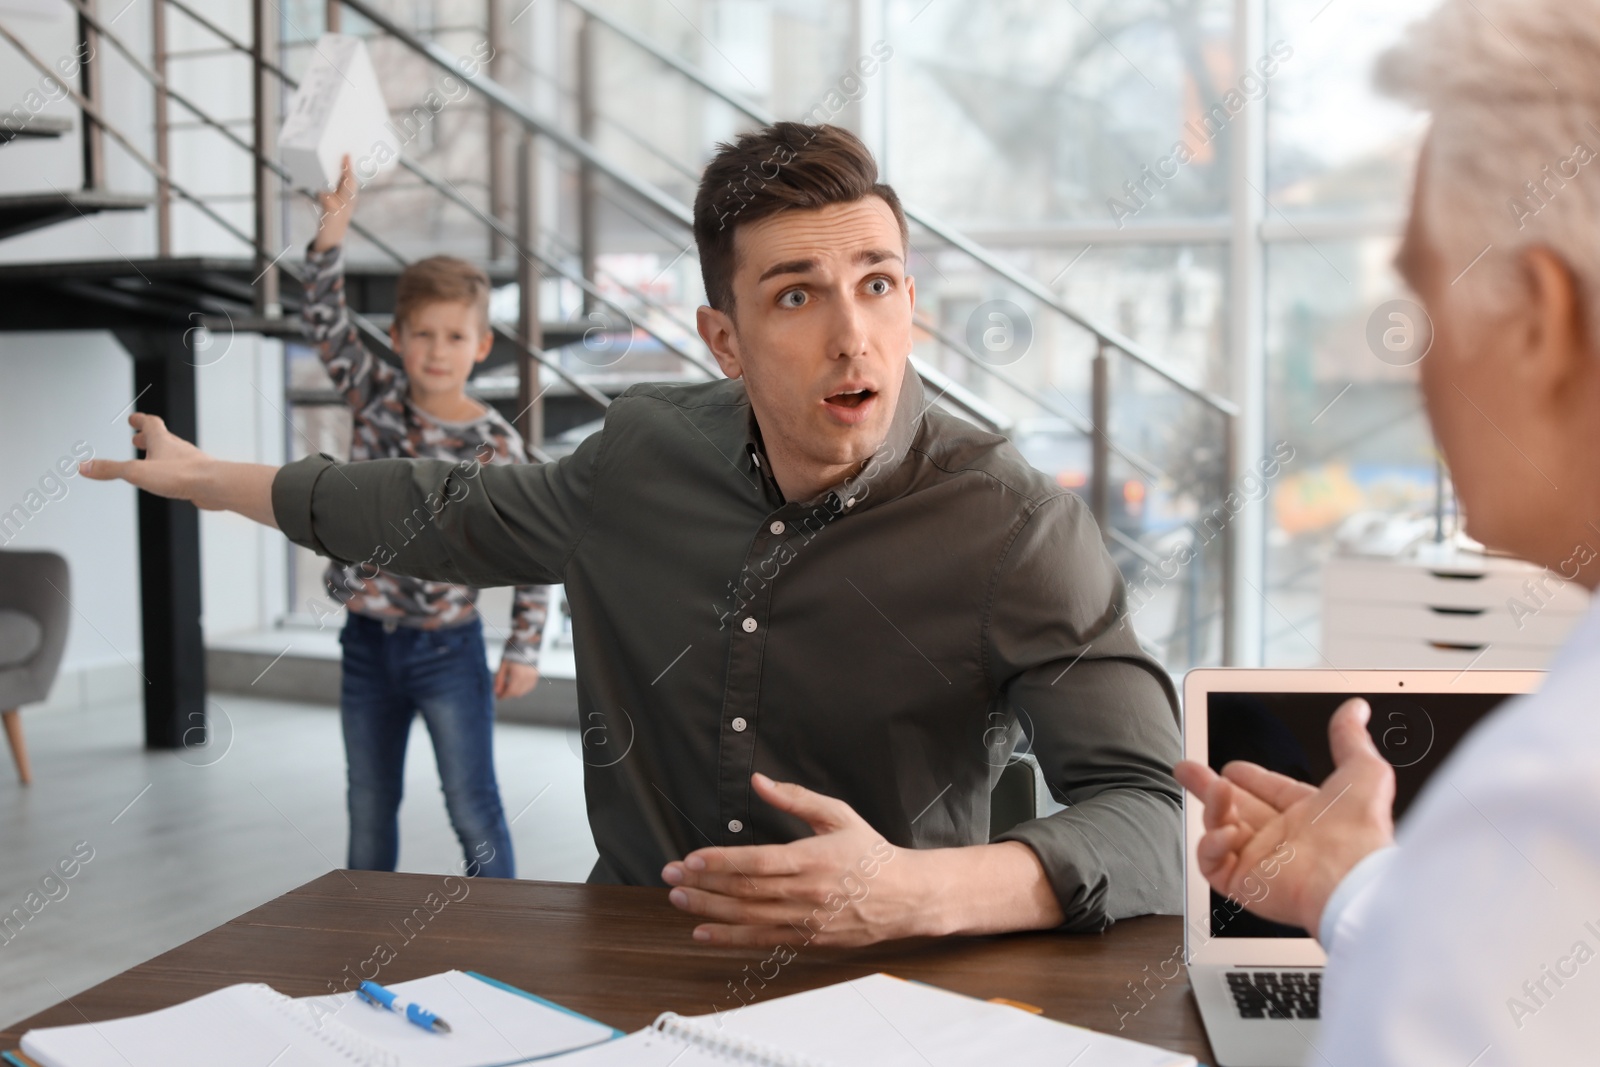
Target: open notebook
(491, 1024)
(876, 1021)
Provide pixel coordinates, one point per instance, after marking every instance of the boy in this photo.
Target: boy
(412, 645)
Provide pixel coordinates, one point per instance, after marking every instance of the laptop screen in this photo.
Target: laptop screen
(1288, 733)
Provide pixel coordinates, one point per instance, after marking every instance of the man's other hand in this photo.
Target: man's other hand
(514, 679)
(845, 886)
(1280, 846)
(174, 468)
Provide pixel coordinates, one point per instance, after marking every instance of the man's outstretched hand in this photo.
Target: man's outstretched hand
(1281, 846)
(175, 468)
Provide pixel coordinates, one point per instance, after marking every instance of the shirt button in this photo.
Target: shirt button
(738, 724)
(749, 625)
(734, 826)
(850, 503)
(777, 526)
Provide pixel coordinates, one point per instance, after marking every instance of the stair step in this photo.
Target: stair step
(36, 127)
(21, 212)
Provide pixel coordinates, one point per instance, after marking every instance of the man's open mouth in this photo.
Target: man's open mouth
(851, 399)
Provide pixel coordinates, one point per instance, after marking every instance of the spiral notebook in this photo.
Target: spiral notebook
(876, 1021)
(491, 1024)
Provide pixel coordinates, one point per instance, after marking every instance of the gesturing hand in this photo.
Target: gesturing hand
(1250, 812)
(338, 207)
(845, 886)
(171, 466)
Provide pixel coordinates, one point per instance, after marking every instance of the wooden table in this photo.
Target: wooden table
(623, 955)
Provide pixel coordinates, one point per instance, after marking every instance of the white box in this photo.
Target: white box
(338, 110)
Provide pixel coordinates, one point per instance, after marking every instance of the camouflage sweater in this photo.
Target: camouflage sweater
(386, 424)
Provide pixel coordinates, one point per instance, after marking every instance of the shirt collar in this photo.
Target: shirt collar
(877, 475)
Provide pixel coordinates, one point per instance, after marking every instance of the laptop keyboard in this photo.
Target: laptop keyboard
(1276, 994)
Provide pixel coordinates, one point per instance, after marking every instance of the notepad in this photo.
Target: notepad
(491, 1024)
(876, 1021)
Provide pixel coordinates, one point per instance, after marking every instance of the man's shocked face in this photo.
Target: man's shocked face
(820, 331)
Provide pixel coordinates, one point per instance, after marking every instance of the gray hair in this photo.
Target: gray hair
(1514, 155)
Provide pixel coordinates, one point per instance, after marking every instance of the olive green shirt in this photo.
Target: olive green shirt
(885, 643)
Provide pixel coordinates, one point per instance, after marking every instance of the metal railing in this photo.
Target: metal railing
(1106, 340)
(535, 264)
(549, 266)
(504, 101)
(447, 190)
(368, 329)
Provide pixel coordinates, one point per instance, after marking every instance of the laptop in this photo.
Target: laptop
(1259, 983)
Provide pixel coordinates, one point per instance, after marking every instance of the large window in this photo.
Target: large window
(1098, 148)
(1023, 123)
(1338, 162)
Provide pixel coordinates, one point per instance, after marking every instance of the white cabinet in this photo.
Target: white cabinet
(1445, 609)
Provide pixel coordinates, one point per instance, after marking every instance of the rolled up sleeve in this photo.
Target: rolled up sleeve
(292, 487)
(1102, 717)
(461, 522)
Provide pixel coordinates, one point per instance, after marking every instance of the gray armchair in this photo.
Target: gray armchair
(34, 613)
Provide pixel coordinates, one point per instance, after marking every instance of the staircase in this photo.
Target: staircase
(21, 212)
(579, 211)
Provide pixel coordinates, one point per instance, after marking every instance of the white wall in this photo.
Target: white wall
(63, 388)
(243, 564)
(57, 389)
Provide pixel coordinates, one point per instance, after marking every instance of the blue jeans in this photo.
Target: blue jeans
(389, 676)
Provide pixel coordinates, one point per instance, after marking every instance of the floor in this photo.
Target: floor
(169, 845)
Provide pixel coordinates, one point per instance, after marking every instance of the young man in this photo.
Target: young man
(413, 645)
(1471, 943)
(804, 573)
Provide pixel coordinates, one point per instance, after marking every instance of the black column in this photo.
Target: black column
(169, 554)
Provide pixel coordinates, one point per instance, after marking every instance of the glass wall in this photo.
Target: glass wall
(1033, 113)
(1338, 164)
(1360, 438)
(1051, 131)
(1091, 147)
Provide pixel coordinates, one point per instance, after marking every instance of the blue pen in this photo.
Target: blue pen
(375, 994)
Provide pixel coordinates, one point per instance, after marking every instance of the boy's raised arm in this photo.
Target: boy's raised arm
(357, 374)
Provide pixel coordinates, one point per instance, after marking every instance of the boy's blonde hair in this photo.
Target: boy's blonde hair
(439, 279)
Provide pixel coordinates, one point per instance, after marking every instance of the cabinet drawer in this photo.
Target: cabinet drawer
(1458, 625)
(1378, 581)
(1349, 653)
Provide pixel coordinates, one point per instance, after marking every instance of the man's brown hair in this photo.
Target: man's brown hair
(439, 279)
(776, 168)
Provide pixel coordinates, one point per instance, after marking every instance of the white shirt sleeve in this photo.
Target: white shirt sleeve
(1343, 914)
(1477, 940)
